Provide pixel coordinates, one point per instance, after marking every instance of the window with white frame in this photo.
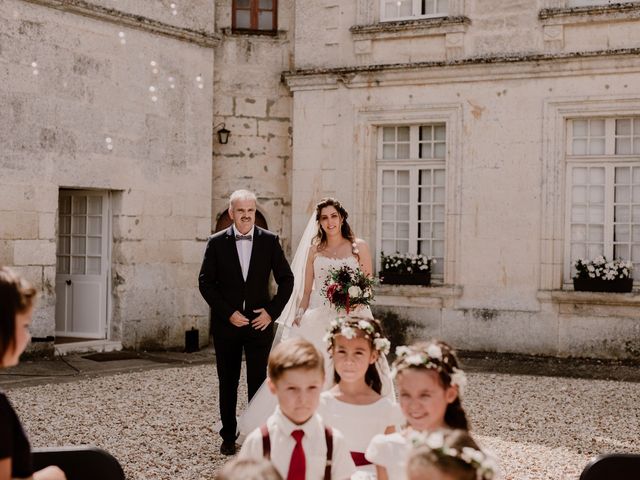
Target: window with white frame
(411, 190)
(408, 9)
(603, 182)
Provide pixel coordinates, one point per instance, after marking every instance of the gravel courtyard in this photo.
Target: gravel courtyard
(160, 423)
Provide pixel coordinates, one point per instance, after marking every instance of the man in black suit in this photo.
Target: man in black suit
(234, 280)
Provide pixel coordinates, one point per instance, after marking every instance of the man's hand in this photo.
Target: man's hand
(262, 321)
(238, 320)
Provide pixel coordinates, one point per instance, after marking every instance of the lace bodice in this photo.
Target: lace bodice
(321, 266)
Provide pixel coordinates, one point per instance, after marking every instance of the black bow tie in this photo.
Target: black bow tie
(243, 237)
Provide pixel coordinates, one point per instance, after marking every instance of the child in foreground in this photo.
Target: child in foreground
(448, 455)
(295, 438)
(355, 403)
(429, 383)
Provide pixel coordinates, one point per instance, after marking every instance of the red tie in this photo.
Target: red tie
(298, 465)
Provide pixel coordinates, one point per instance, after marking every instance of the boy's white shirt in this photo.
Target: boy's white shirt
(314, 444)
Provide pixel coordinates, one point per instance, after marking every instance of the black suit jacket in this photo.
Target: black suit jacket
(224, 288)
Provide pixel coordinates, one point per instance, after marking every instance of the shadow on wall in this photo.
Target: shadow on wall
(399, 330)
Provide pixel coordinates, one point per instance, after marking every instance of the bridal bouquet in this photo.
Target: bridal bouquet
(347, 288)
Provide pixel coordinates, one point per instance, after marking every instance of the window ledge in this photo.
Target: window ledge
(434, 296)
(590, 298)
(279, 35)
(411, 28)
(603, 13)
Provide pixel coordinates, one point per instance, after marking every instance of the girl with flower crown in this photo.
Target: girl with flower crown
(449, 455)
(429, 382)
(354, 404)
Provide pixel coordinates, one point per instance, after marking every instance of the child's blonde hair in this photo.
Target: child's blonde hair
(248, 469)
(291, 354)
(453, 452)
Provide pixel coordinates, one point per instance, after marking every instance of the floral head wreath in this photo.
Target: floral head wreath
(348, 327)
(483, 464)
(431, 357)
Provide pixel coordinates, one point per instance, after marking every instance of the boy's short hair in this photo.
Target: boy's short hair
(248, 469)
(294, 353)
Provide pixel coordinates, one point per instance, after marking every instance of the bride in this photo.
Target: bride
(328, 242)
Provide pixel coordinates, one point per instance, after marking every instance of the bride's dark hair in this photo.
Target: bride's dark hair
(321, 237)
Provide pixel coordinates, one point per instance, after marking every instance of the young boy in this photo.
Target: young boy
(295, 438)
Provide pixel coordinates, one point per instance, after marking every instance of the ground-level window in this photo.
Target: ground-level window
(411, 190)
(603, 190)
(407, 9)
(255, 15)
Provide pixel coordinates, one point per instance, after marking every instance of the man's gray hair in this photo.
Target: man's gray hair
(242, 195)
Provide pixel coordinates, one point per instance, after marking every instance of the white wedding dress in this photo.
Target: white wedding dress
(313, 327)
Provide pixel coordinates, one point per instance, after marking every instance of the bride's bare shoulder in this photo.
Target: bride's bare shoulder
(361, 243)
(313, 250)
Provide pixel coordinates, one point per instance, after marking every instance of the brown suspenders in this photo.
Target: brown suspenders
(328, 436)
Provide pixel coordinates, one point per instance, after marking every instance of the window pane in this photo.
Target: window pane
(579, 194)
(578, 250)
(402, 246)
(579, 175)
(65, 225)
(596, 175)
(439, 177)
(388, 134)
(79, 225)
(389, 151)
(388, 177)
(403, 195)
(265, 20)
(64, 245)
(65, 205)
(93, 266)
(594, 250)
(78, 245)
(63, 265)
(579, 128)
(596, 194)
(438, 230)
(403, 151)
(596, 214)
(94, 246)
(438, 196)
(440, 133)
(426, 133)
(243, 19)
(622, 194)
(388, 246)
(266, 4)
(440, 150)
(403, 212)
(388, 212)
(77, 265)
(623, 126)
(596, 233)
(402, 230)
(388, 230)
(623, 146)
(580, 147)
(597, 146)
(403, 177)
(79, 205)
(621, 233)
(95, 205)
(621, 251)
(578, 233)
(243, 3)
(621, 213)
(403, 134)
(635, 234)
(578, 214)
(388, 195)
(438, 213)
(95, 225)
(424, 230)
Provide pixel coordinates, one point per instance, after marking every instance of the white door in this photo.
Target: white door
(82, 264)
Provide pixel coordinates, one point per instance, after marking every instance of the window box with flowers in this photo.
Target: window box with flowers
(601, 275)
(405, 269)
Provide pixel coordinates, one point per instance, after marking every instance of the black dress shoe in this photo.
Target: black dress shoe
(228, 448)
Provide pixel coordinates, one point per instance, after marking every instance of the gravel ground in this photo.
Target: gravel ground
(159, 423)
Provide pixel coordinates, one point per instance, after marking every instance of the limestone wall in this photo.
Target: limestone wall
(255, 106)
(74, 84)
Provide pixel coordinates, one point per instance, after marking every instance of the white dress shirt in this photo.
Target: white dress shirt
(314, 444)
(244, 248)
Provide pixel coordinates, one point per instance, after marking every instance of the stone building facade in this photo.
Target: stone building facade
(499, 137)
(503, 138)
(105, 165)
